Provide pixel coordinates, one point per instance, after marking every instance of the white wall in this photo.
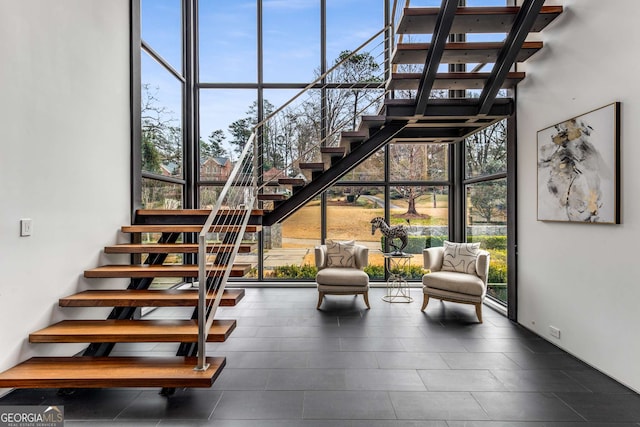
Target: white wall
(64, 159)
(582, 278)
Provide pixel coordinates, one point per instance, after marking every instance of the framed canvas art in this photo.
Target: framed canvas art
(578, 168)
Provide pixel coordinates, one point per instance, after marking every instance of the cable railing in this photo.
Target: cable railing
(289, 136)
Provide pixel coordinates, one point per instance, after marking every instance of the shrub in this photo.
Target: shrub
(490, 242)
(306, 271)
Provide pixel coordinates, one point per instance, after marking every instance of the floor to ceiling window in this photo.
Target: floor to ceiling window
(210, 71)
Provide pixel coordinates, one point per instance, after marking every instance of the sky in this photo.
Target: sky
(228, 47)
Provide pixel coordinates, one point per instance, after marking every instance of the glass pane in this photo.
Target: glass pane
(349, 214)
(289, 246)
(226, 119)
(161, 119)
(487, 224)
(371, 169)
(162, 29)
(486, 151)
(291, 31)
(419, 162)
(161, 195)
(425, 213)
(351, 23)
(228, 41)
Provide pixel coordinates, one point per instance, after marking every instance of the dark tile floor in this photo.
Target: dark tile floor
(289, 365)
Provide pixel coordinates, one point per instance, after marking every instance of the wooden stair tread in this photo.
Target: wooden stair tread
(169, 248)
(189, 212)
(460, 53)
(169, 228)
(410, 81)
(312, 166)
(144, 270)
(99, 372)
(146, 298)
(333, 151)
(170, 330)
(272, 197)
(297, 182)
(422, 20)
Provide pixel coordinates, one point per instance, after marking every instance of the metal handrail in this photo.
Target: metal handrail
(244, 177)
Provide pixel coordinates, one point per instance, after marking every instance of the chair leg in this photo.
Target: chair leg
(365, 295)
(425, 301)
(320, 297)
(479, 311)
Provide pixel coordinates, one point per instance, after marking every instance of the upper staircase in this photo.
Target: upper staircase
(217, 235)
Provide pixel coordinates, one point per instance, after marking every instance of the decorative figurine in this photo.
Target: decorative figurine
(391, 233)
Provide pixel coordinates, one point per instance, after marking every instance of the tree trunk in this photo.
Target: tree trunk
(411, 209)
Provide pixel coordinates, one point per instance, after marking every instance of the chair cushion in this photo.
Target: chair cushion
(341, 254)
(338, 276)
(460, 257)
(454, 282)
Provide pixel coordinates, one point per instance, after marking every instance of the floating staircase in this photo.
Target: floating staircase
(416, 119)
(430, 120)
(96, 368)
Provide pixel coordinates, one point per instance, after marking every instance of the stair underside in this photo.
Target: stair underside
(422, 20)
(454, 81)
(460, 53)
(147, 298)
(94, 331)
(170, 248)
(98, 372)
(149, 271)
(154, 228)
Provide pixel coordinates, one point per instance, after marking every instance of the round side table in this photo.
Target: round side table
(398, 267)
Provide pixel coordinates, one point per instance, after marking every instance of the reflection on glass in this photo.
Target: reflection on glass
(161, 119)
(371, 169)
(227, 41)
(161, 195)
(486, 151)
(419, 162)
(162, 29)
(425, 213)
(289, 245)
(487, 224)
(350, 210)
(226, 120)
(291, 40)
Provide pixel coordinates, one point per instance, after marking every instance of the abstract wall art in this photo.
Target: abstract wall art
(578, 168)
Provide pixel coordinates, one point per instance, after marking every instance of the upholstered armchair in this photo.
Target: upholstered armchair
(458, 274)
(340, 270)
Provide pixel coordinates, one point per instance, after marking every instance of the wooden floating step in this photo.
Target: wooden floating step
(272, 197)
(370, 122)
(191, 212)
(422, 20)
(333, 151)
(460, 53)
(171, 330)
(296, 182)
(153, 228)
(170, 248)
(410, 81)
(106, 372)
(147, 298)
(149, 271)
(312, 166)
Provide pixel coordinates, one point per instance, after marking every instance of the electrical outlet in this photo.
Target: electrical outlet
(555, 332)
(26, 227)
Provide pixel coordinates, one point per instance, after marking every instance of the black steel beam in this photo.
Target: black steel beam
(451, 108)
(358, 155)
(521, 27)
(434, 54)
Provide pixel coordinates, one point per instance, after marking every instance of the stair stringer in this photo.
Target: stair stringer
(356, 156)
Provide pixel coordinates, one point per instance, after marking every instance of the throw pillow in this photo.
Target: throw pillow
(460, 257)
(341, 254)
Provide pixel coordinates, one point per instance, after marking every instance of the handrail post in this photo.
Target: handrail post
(202, 299)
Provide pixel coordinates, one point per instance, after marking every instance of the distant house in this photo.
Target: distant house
(215, 169)
(170, 169)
